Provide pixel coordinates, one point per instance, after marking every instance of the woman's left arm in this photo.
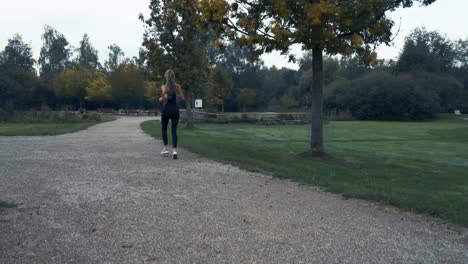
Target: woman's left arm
(164, 95)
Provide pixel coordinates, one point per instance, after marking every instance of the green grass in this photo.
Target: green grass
(420, 167)
(42, 129)
(4, 204)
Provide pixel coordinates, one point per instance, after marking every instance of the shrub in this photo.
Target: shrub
(383, 96)
(46, 117)
(449, 89)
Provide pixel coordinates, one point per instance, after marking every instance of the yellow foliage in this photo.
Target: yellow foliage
(99, 89)
(217, 43)
(280, 7)
(329, 35)
(328, 24)
(347, 50)
(371, 58)
(318, 13)
(214, 10)
(347, 22)
(279, 32)
(71, 84)
(356, 40)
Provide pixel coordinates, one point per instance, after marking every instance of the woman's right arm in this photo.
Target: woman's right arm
(181, 92)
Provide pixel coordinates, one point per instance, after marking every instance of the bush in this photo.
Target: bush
(46, 117)
(449, 89)
(91, 117)
(383, 96)
(3, 115)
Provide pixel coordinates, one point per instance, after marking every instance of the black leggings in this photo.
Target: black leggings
(174, 117)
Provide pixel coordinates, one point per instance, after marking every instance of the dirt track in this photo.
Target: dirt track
(104, 195)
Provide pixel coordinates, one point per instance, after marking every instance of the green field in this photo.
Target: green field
(420, 167)
(43, 129)
(4, 204)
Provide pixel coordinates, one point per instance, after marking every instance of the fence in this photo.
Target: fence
(250, 117)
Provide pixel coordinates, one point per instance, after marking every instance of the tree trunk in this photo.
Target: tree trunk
(316, 137)
(222, 108)
(188, 111)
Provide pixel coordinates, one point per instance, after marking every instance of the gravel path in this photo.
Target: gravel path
(104, 195)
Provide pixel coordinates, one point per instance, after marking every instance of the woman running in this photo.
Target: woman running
(170, 110)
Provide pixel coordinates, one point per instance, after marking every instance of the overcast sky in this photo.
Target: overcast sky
(116, 21)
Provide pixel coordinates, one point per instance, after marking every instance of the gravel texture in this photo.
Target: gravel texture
(104, 195)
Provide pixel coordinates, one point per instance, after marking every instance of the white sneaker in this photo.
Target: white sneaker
(164, 152)
(174, 154)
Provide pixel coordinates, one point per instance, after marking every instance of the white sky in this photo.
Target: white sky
(116, 21)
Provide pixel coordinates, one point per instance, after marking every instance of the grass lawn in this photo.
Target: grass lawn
(420, 167)
(42, 129)
(4, 204)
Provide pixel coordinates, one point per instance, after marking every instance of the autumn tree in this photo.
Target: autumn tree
(99, 89)
(71, 84)
(320, 26)
(173, 40)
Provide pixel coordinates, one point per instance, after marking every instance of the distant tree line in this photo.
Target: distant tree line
(68, 78)
(430, 76)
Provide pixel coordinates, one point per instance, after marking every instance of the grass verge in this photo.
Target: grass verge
(417, 166)
(43, 129)
(4, 204)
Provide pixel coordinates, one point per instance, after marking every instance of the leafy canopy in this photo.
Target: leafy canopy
(71, 84)
(127, 83)
(18, 54)
(336, 26)
(99, 89)
(219, 86)
(55, 53)
(116, 56)
(173, 41)
(87, 54)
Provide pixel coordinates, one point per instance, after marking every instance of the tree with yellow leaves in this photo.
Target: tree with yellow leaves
(71, 84)
(320, 26)
(99, 90)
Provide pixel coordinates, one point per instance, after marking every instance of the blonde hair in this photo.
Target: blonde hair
(170, 81)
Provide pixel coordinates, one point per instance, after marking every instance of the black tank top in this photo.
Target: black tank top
(171, 96)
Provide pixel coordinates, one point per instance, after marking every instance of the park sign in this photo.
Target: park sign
(198, 103)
